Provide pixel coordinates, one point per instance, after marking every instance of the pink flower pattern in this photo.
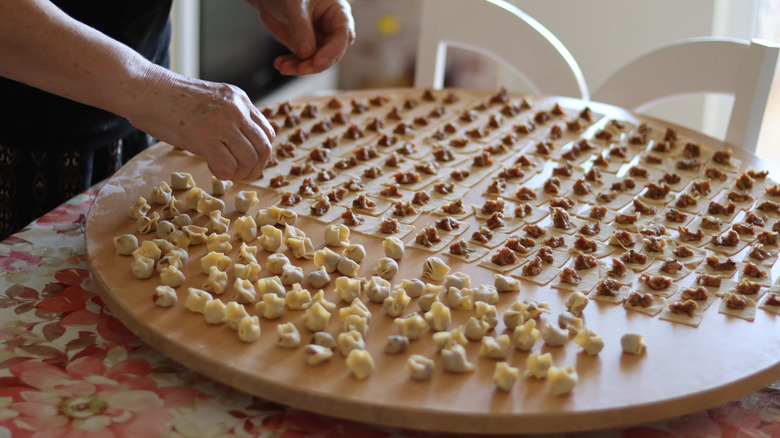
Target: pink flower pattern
(59, 376)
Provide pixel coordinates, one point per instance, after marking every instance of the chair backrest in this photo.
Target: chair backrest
(744, 69)
(501, 31)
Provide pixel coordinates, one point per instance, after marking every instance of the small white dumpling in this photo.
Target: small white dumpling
(355, 252)
(219, 186)
(318, 278)
(208, 204)
(164, 228)
(276, 263)
(360, 363)
(327, 258)
(125, 244)
(192, 198)
(376, 289)
(174, 210)
(171, 276)
(147, 224)
(316, 317)
(430, 295)
(486, 293)
(395, 304)
(458, 280)
(234, 313)
(495, 348)
(324, 339)
(301, 247)
(357, 323)
(356, 307)
(164, 296)
(348, 289)
(439, 317)
(395, 344)
(538, 364)
(291, 274)
(486, 312)
(215, 312)
(435, 269)
(286, 216)
(442, 340)
(271, 306)
(270, 238)
(316, 354)
(525, 335)
(298, 298)
(349, 341)
(213, 258)
(161, 193)
(196, 234)
(632, 343)
(218, 242)
(244, 291)
(505, 283)
(182, 181)
(475, 329)
(386, 268)
(289, 337)
(393, 247)
(554, 336)
(245, 200)
(454, 360)
(181, 219)
(246, 254)
(562, 380)
(591, 343)
(271, 285)
(291, 231)
(139, 209)
(217, 281)
(567, 321)
(217, 223)
(576, 302)
(245, 228)
(419, 367)
(337, 235)
(460, 299)
(197, 299)
(149, 250)
(505, 376)
(173, 258)
(411, 325)
(413, 286)
(347, 266)
(249, 328)
(142, 267)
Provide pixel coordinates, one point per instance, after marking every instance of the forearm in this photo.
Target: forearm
(43, 47)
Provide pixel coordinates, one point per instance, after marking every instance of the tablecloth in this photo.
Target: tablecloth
(69, 368)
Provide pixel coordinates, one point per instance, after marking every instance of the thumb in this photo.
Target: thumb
(303, 37)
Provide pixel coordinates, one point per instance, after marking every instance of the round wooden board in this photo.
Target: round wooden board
(683, 369)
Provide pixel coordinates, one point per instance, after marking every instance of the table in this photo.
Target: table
(58, 330)
(55, 328)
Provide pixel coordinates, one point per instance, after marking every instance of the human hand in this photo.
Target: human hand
(212, 120)
(318, 32)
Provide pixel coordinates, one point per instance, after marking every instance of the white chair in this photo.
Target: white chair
(744, 69)
(501, 31)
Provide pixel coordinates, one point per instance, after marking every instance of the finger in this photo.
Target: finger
(333, 49)
(302, 30)
(263, 122)
(262, 146)
(220, 160)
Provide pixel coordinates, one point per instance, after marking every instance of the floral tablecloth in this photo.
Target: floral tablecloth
(68, 368)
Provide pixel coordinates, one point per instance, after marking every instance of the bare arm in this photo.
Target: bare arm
(43, 47)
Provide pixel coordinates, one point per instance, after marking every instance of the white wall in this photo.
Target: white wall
(602, 35)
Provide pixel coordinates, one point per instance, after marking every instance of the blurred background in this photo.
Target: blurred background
(224, 41)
